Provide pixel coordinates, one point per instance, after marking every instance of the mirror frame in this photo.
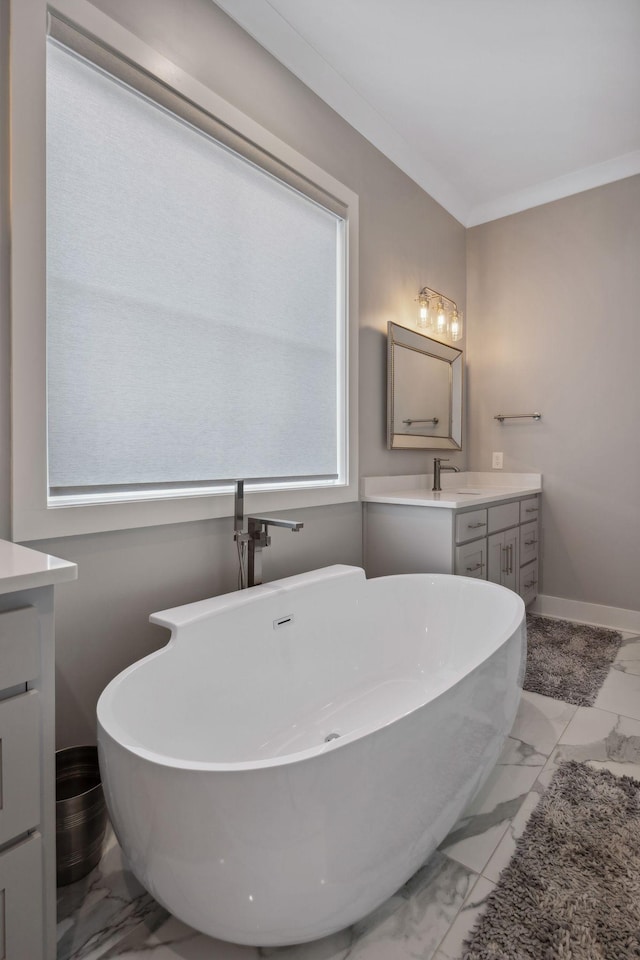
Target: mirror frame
(398, 336)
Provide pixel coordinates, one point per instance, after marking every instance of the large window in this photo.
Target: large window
(196, 301)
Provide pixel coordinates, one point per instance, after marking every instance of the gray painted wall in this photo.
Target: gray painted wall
(5, 335)
(406, 241)
(553, 294)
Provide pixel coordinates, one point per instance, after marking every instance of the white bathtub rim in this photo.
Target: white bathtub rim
(192, 613)
(108, 723)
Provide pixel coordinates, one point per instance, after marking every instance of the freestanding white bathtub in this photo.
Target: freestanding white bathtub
(298, 750)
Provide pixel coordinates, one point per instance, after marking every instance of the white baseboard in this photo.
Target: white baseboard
(616, 618)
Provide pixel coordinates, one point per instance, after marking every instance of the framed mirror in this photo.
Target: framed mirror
(424, 392)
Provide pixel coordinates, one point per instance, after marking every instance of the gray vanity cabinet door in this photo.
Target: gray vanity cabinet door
(503, 558)
(21, 900)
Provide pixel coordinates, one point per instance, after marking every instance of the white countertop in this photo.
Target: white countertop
(458, 489)
(22, 568)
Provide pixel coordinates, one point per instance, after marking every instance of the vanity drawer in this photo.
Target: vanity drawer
(503, 515)
(471, 560)
(470, 526)
(528, 542)
(529, 509)
(19, 648)
(529, 581)
(20, 765)
(21, 900)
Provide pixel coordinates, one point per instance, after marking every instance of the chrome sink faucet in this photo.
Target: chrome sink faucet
(252, 540)
(437, 470)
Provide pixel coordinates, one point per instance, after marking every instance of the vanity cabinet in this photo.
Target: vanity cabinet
(27, 752)
(497, 541)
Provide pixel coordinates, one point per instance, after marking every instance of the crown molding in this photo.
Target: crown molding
(619, 168)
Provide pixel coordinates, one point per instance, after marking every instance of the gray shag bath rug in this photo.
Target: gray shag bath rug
(568, 661)
(571, 891)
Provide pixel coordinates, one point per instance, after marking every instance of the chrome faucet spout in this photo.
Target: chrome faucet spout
(259, 538)
(437, 470)
(293, 525)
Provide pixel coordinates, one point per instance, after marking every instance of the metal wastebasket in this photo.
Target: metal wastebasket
(81, 815)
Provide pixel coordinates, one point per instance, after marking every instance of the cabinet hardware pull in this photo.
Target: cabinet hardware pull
(474, 526)
(433, 420)
(531, 583)
(508, 558)
(530, 509)
(478, 566)
(529, 543)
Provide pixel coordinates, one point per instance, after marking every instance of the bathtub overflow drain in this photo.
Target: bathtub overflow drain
(331, 736)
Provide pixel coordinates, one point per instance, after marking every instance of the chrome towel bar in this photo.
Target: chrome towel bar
(517, 416)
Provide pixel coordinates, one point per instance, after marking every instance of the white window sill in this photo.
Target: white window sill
(68, 518)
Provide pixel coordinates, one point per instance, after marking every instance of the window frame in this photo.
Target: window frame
(33, 515)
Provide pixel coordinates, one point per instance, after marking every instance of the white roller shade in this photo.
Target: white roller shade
(194, 301)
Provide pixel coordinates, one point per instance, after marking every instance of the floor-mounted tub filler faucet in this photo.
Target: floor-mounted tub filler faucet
(251, 541)
(437, 470)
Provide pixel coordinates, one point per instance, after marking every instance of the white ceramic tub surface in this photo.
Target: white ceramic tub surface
(234, 810)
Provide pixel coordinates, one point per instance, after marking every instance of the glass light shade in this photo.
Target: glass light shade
(455, 325)
(425, 319)
(441, 317)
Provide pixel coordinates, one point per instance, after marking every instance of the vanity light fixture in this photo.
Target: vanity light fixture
(439, 314)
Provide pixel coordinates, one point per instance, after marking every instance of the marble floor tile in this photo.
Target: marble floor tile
(629, 648)
(451, 946)
(96, 912)
(620, 692)
(602, 739)
(541, 721)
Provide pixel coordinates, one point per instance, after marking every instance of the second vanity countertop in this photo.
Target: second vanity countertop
(458, 489)
(23, 569)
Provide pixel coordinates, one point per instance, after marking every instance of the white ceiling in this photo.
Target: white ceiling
(492, 106)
